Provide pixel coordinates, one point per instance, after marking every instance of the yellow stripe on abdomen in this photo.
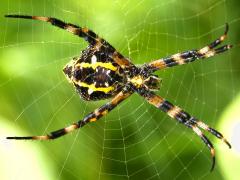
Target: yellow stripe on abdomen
(93, 88)
(98, 64)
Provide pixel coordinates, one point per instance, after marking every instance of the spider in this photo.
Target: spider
(101, 72)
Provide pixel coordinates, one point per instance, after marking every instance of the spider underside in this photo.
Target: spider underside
(102, 72)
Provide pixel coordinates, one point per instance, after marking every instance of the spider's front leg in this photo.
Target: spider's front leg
(85, 33)
(186, 119)
(91, 37)
(192, 55)
(91, 117)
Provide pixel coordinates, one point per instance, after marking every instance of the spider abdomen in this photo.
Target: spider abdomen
(95, 75)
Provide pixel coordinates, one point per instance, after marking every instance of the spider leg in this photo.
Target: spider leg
(85, 33)
(211, 130)
(192, 55)
(186, 119)
(91, 117)
(91, 37)
(206, 141)
(218, 40)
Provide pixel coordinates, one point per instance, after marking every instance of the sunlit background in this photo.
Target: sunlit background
(135, 141)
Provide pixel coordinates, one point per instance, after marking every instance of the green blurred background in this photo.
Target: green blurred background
(135, 141)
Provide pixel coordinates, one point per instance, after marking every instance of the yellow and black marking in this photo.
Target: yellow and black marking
(137, 81)
(173, 112)
(178, 59)
(93, 88)
(121, 60)
(155, 100)
(107, 65)
(95, 75)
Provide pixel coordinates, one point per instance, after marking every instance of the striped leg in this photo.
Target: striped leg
(90, 36)
(85, 33)
(91, 117)
(192, 55)
(186, 119)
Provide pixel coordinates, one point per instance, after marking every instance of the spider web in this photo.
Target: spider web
(136, 140)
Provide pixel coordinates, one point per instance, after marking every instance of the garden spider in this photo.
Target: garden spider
(102, 72)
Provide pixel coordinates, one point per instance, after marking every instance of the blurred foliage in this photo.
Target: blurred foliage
(23, 161)
(232, 128)
(136, 140)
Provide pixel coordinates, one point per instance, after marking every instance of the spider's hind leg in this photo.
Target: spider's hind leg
(91, 117)
(186, 119)
(210, 129)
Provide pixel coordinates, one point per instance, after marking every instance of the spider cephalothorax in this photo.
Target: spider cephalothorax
(102, 72)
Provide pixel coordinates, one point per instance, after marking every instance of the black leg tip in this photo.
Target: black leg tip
(11, 16)
(213, 164)
(7, 15)
(19, 138)
(227, 28)
(9, 137)
(18, 16)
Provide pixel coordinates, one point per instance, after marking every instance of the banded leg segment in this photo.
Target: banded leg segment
(186, 119)
(91, 117)
(91, 37)
(85, 33)
(192, 55)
